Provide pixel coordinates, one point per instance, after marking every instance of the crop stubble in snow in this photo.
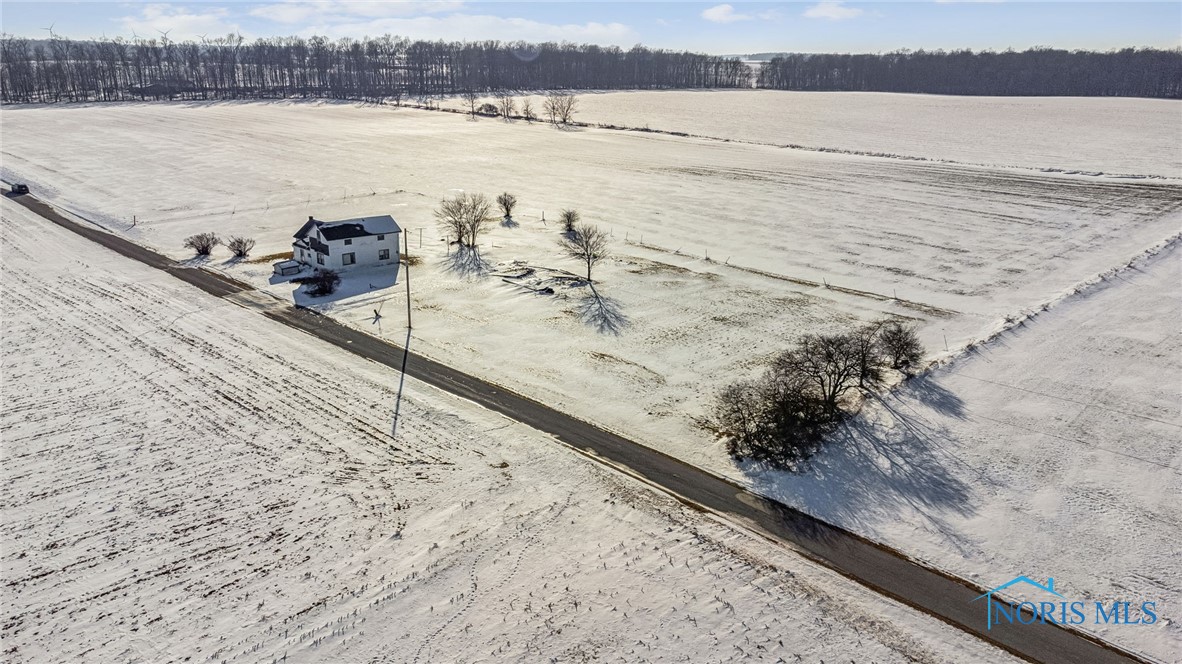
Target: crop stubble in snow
(184, 478)
(985, 243)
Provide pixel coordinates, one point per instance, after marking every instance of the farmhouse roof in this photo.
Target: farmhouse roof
(349, 228)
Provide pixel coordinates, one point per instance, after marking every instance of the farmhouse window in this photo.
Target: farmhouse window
(347, 259)
(381, 237)
(320, 258)
(383, 254)
(348, 241)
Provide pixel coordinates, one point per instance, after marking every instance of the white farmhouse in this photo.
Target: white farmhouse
(349, 244)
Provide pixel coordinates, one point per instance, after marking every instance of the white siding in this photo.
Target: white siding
(366, 251)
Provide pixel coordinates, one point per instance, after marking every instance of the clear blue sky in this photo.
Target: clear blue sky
(734, 27)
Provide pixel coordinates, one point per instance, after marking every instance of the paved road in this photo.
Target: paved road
(877, 567)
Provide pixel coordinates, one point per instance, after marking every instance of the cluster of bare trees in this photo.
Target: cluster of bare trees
(465, 216)
(782, 416)
(373, 69)
(506, 106)
(559, 108)
(1129, 72)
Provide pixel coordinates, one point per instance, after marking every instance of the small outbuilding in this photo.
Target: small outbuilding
(365, 242)
(288, 268)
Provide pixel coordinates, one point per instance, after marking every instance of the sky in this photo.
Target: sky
(709, 27)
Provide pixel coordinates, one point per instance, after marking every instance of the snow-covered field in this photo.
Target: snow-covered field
(961, 247)
(183, 480)
(1109, 135)
(972, 245)
(970, 239)
(1054, 451)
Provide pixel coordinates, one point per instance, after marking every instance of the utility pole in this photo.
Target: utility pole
(406, 252)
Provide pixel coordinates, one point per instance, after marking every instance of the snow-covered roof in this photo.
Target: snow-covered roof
(374, 225)
(347, 228)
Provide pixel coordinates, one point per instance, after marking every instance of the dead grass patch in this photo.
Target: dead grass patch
(269, 258)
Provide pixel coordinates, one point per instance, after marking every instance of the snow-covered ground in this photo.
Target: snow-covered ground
(1110, 135)
(1054, 450)
(970, 239)
(182, 479)
(974, 243)
(962, 247)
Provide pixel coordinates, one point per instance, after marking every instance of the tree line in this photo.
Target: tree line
(373, 69)
(1129, 72)
(230, 67)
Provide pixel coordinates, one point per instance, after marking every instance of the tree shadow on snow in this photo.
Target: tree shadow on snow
(466, 262)
(868, 472)
(602, 313)
(935, 396)
(195, 261)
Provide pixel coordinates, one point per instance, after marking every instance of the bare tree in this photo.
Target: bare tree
(569, 219)
(588, 244)
(472, 100)
(506, 202)
(559, 107)
(567, 109)
(551, 107)
(507, 107)
(527, 110)
(739, 412)
(778, 418)
(452, 215)
(829, 363)
(202, 243)
(869, 354)
(900, 344)
(241, 246)
(465, 215)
